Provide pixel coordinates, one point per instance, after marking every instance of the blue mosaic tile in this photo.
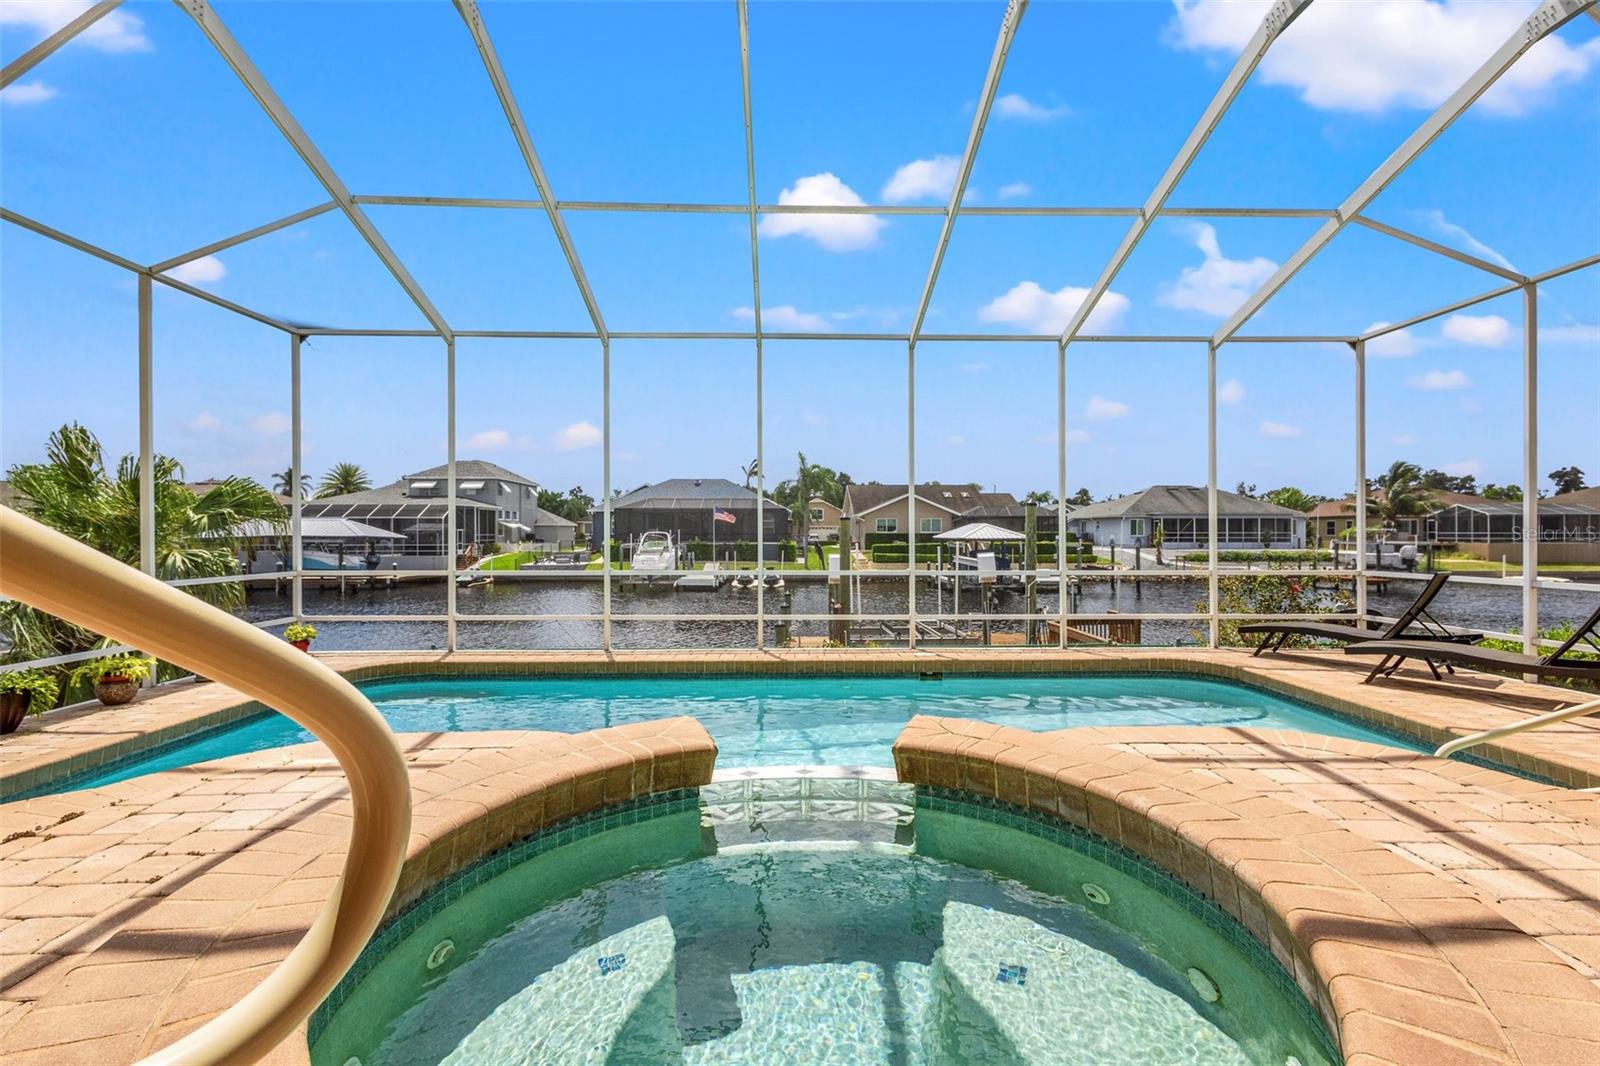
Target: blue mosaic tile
(1012, 974)
(610, 964)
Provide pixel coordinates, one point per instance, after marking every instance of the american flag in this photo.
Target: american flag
(723, 516)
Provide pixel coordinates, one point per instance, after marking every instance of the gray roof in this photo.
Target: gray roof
(549, 518)
(1583, 497)
(980, 531)
(859, 499)
(395, 492)
(1556, 505)
(315, 529)
(474, 469)
(688, 494)
(1172, 500)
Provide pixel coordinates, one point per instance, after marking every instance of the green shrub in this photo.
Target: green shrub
(131, 665)
(37, 683)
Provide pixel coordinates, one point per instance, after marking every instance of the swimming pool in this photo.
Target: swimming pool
(980, 943)
(761, 721)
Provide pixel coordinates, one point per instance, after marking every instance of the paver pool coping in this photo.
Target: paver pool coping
(134, 913)
(1405, 963)
(66, 744)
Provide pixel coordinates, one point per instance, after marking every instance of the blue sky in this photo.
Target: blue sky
(140, 139)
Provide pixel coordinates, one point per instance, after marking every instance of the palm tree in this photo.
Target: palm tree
(343, 479)
(811, 479)
(73, 492)
(1292, 498)
(1400, 494)
(283, 479)
(750, 471)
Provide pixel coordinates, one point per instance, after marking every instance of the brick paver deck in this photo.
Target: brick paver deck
(53, 746)
(1433, 911)
(130, 915)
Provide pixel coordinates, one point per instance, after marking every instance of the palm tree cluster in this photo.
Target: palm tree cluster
(341, 478)
(74, 492)
(1400, 492)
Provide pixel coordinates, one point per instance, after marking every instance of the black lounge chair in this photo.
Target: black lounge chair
(1556, 664)
(1275, 634)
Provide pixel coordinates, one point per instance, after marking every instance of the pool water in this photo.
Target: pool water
(812, 952)
(837, 721)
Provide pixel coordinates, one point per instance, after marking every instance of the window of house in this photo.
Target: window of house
(1333, 527)
(1136, 527)
(931, 525)
(888, 525)
(816, 514)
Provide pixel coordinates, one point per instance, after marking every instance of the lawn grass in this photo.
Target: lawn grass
(1486, 566)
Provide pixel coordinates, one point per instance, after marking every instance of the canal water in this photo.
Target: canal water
(1481, 606)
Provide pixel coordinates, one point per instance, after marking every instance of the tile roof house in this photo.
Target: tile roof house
(886, 509)
(1182, 514)
(684, 507)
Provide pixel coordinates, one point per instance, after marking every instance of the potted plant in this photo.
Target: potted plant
(300, 634)
(116, 677)
(23, 692)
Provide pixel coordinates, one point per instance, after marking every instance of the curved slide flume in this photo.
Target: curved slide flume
(54, 573)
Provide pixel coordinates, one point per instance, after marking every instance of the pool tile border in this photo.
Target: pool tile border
(486, 868)
(1429, 715)
(1110, 853)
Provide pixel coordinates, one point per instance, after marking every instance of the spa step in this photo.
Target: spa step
(613, 1002)
(1008, 990)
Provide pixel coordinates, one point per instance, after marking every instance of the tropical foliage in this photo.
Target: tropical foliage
(1292, 498)
(75, 493)
(128, 665)
(1265, 594)
(1401, 492)
(37, 683)
(284, 478)
(343, 479)
(574, 506)
(811, 479)
(1567, 479)
(297, 631)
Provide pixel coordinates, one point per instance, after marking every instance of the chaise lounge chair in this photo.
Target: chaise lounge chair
(1556, 664)
(1275, 634)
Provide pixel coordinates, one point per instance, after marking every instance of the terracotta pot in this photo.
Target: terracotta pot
(13, 709)
(303, 645)
(114, 689)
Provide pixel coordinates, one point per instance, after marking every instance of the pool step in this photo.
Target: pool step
(613, 1002)
(1008, 990)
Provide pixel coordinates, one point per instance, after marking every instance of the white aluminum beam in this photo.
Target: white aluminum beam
(1360, 349)
(1276, 21)
(1530, 471)
(205, 16)
(1009, 22)
(35, 226)
(1017, 210)
(1551, 15)
(147, 467)
(47, 47)
(1405, 323)
(1441, 249)
(239, 238)
(743, 9)
(1567, 268)
(473, 17)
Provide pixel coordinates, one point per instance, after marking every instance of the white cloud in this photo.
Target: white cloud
(273, 423)
(1218, 285)
(1401, 344)
(199, 271)
(923, 179)
(1019, 107)
(578, 435)
(1443, 227)
(1572, 333)
(1440, 381)
(1099, 409)
(489, 440)
(1280, 429)
(1015, 190)
(1485, 331)
(23, 93)
(786, 318)
(119, 31)
(837, 233)
(1042, 311)
(955, 440)
(1230, 391)
(1465, 468)
(204, 422)
(974, 368)
(1402, 439)
(1371, 57)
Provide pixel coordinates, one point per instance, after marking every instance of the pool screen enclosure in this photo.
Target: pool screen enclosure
(478, 22)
